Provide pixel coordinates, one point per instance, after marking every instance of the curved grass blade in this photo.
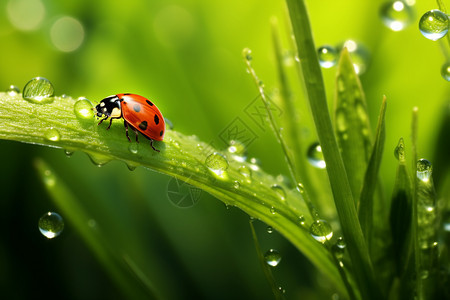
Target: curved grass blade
(181, 156)
(366, 208)
(352, 124)
(357, 248)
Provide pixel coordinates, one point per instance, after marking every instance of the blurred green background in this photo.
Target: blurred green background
(186, 56)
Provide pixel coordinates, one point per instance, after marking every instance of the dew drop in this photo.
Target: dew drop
(269, 229)
(51, 225)
(168, 123)
(445, 71)
(131, 166)
(38, 90)
(247, 54)
(300, 188)
(237, 151)
(424, 170)
(246, 172)
(273, 210)
(236, 185)
(399, 151)
(133, 148)
(396, 15)
(83, 108)
(254, 164)
(49, 178)
(68, 153)
(99, 160)
(340, 243)
(13, 90)
(301, 220)
(434, 24)
(321, 231)
(272, 257)
(279, 191)
(52, 134)
(327, 56)
(217, 163)
(315, 156)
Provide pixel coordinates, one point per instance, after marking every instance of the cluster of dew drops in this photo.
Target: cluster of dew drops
(396, 15)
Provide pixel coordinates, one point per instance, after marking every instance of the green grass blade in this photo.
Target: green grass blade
(366, 208)
(278, 294)
(181, 156)
(352, 123)
(71, 209)
(343, 197)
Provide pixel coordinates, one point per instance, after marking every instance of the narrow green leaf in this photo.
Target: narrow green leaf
(371, 178)
(352, 123)
(75, 213)
(343, 197)
(266, 268)
(56, 124)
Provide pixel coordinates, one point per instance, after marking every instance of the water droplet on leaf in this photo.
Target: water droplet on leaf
(424, 170)
(133, 148)
(434, 24)
(237, 151)
(321, 231)
(445, 71)
(38, 90)
(396, 15)
(99, 160)
(247, 54)
(13, 90)
(359, 55)
(272, 257)
(315, 156)
(273, 210)
(246, 172)
(279, 191)
(217, 163)
(83, 109)
(51, 225)
(399, 151)
(269, 229)
(327, 56)
(52, 134)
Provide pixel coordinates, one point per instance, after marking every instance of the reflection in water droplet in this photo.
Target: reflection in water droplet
(246, 172)
(269, 229)
(399, 151)
(315, 156)
(217, 163)
(52, 134)
(300, 188)
(434, 24)
(272, 257)
(13, 90)
(396, 15)
(237, 151)
(133, 148)
(273, 210)
(279, 191)
(301, 220)
(341, 242)
(327, 56)
(445, 71)
(51, 225)
(321, 231)
(83, 108)
(424, 170)
(99, 160)
(38, 90)
(68, 153)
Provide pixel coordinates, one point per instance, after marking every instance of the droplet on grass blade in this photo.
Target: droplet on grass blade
(51, 225)
(434, 24)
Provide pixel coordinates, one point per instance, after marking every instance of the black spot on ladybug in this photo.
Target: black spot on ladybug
(156, 118)
(143, 125)
(149, 103)
(137, 107)
(126, 94)
(161, 132)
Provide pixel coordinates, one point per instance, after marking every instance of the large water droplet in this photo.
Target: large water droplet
(327, 56)
(279, 191)
(359, 54)
(99, 160)
(272, 257)
(38, 90)
(445, 71)
(315, 156)
(52, 134)
(13, 90)
(51, 225)
(83, 109)
(237, 151)
(321, 231)
(217, 163)
(434, 24)
(396, 15)
(424, 170)
(399, 151)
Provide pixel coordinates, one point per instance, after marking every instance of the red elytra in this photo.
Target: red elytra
(138, 112)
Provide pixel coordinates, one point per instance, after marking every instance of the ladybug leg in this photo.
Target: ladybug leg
(151, 144)
(102, 120)
(126, 130)
(110, 123)
(136, 133)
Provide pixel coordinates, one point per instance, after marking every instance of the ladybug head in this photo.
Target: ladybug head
(110, 107)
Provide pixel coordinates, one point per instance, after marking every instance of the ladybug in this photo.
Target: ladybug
(138, 112)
